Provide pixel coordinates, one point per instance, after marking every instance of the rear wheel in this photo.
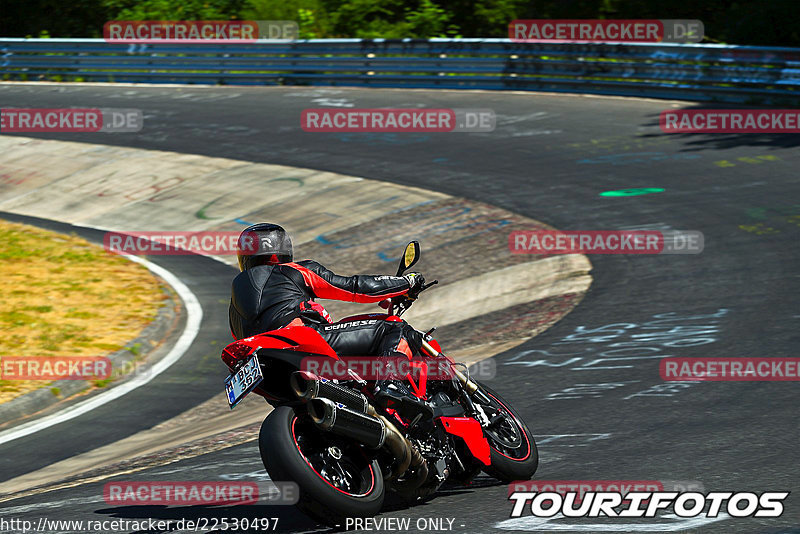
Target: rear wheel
(336, 480)
(513, 449)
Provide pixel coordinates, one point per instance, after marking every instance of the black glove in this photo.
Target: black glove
(415, 283)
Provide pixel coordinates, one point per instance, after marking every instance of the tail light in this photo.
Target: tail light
(235, 354)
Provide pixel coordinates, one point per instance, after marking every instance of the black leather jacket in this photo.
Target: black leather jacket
(269, 297)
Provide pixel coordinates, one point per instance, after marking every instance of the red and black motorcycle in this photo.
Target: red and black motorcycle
(344, 447)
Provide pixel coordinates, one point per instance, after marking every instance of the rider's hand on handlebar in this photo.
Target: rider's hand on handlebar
(415, 282)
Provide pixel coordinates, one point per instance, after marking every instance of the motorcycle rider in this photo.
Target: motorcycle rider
(272, 292)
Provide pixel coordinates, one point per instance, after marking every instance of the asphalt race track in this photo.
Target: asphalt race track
(597, 416)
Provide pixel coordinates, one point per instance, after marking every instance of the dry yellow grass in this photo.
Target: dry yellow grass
(62, 296)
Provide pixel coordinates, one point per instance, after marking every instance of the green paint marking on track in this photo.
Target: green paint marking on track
(299, 181)
(631, 192)
(201, 213)
(757, 213)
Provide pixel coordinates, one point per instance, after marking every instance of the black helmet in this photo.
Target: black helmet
(263, 244)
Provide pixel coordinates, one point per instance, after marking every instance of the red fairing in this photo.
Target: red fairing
(472, 433)
(309, 340)
(296, 338)
(435, 345)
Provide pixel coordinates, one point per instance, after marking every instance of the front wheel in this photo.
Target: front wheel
(513, 449)
(335, 479)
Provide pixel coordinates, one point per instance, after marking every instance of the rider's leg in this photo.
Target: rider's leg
(400, 337)
(379, 338)
(353, 338)
(373, 337)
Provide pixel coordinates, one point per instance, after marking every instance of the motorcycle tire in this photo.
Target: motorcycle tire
(331, 489)
(509, 464)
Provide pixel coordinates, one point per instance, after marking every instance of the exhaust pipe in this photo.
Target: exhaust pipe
(345, 412)
(406, 453)
(348, 423)
(374, 431)
(308, 386)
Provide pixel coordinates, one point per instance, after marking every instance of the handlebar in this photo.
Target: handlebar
(420, 290)
(426, 286)
(403, 302)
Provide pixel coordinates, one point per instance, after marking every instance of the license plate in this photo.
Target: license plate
(242, 382)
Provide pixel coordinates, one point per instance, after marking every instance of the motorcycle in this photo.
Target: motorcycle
(344, 442)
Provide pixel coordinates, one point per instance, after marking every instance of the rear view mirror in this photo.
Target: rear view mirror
(410, 257)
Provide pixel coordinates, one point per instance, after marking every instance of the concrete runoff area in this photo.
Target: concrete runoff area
(350, 224)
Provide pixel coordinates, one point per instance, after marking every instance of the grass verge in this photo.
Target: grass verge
(62, 296)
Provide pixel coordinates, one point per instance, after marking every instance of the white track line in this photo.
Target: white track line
(194, 315)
